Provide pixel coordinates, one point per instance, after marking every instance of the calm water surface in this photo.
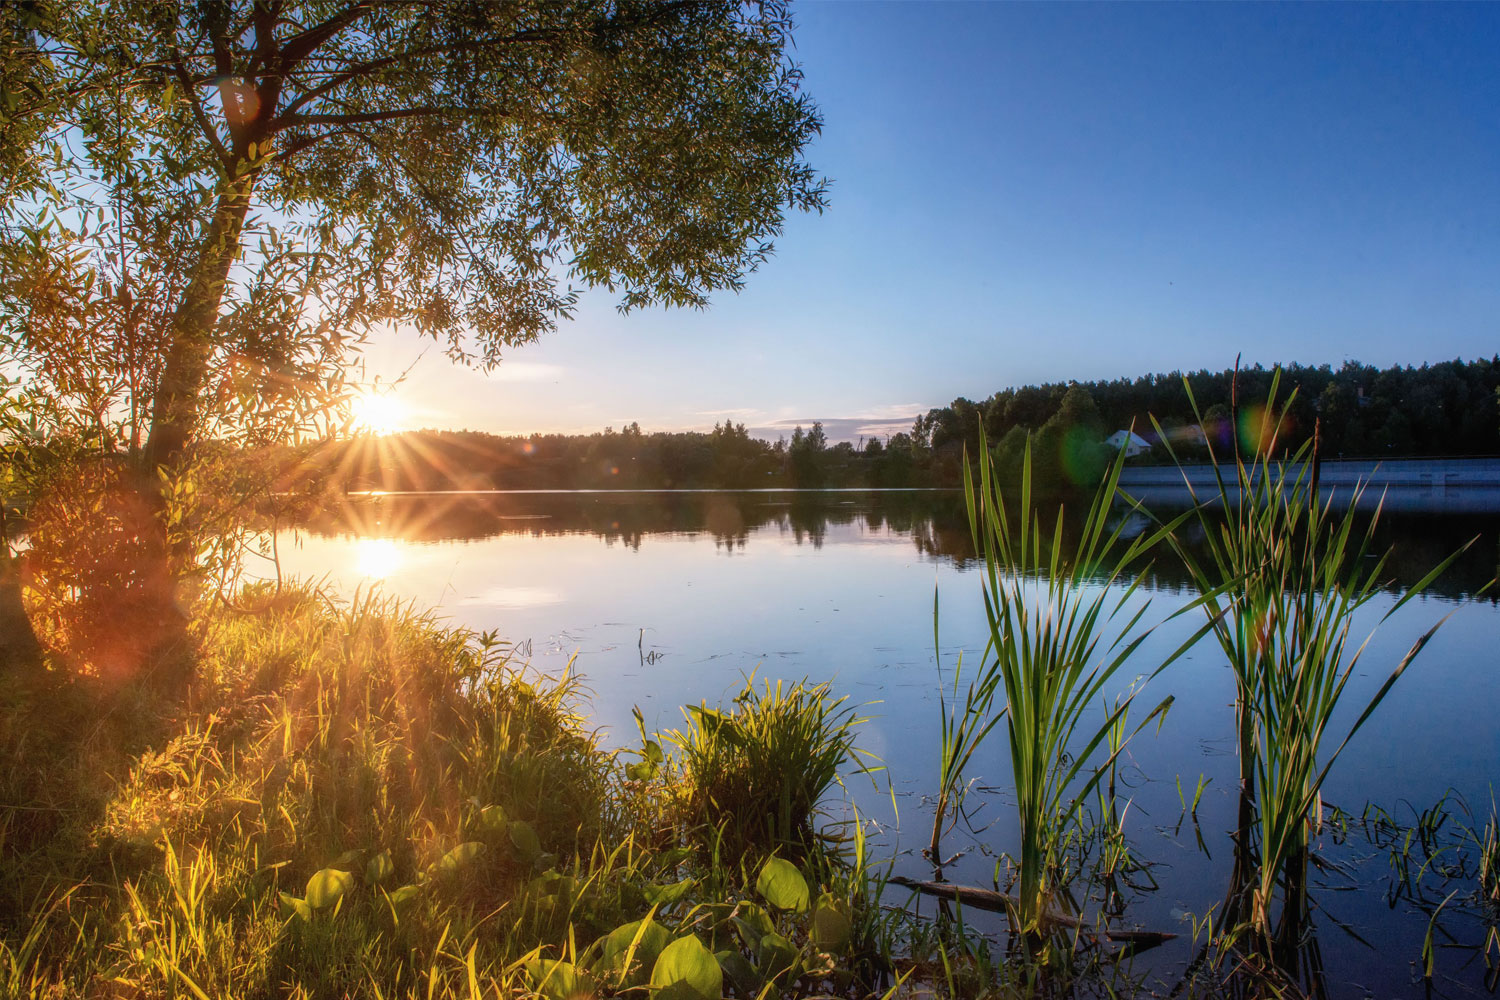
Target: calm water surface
(661, 599)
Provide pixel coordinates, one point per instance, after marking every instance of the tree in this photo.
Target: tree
(807, 457)
(206, 206)
(473, 161)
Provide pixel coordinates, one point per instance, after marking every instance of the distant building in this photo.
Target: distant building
(1128, 441)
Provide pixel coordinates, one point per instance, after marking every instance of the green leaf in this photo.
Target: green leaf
(403, 896)
(460, 857)
(653, 938)
(747, 982)
(830, 924)
(777, 957)
(554, 883)
(686, 970)
(558, 980)
(326, 887)
(666, 895)
(493, 819)
(379, 868)
(782, 885)
(291, 907)
(753, 923)
(528, 847)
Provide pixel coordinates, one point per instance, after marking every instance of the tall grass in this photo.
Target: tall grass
(1286, 574)
(355, 800)
(1489, 858)
(753, 776)
(963, 726)
(1063, 621)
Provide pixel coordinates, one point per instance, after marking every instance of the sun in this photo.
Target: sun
(376, 412)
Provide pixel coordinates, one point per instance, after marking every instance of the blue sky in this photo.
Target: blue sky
(1038, 192)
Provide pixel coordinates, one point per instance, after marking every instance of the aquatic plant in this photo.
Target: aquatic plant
(962, 729)
(753, 776)
(1286, 573)
(1063, 620)
(1489, 858)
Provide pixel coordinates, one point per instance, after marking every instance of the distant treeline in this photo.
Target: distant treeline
(1451, 408)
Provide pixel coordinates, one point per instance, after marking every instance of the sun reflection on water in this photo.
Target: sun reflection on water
(377, 558)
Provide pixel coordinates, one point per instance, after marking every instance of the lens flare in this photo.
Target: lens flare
(1082, 459)
(1260, 429)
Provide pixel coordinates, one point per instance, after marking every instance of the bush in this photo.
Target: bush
(754, 776)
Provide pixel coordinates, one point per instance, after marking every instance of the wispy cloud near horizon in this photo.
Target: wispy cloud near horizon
(526, 371)
(878, 421)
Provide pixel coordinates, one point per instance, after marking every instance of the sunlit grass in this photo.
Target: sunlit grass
(351, 799)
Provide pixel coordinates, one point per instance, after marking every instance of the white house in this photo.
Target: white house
(1130, 441)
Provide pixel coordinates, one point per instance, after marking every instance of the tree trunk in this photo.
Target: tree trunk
(174, 411)
(20, 653)
(19, 650)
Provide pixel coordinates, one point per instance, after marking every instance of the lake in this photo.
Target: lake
(660, 599)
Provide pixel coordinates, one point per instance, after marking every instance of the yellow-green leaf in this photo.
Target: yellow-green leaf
(327, 886)
(459, 857)
(528, 847)
(291, 907)
(379, 868)
(782, 885)
(686, 970)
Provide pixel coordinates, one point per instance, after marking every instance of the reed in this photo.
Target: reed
(963, 726)
(1286, 575)
(1489, 858)
(1063, 621)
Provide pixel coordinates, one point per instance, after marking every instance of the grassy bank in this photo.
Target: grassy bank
(353, 800)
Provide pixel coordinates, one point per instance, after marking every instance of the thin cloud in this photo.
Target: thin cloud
(526, 371)
(878, 422)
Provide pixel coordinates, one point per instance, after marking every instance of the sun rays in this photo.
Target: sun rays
(378, 413)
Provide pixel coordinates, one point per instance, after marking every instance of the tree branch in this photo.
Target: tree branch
(367, 117)
(362, 69)
(299, 46)
(199, 114)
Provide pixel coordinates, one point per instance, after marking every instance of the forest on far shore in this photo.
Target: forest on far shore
(1451, 408)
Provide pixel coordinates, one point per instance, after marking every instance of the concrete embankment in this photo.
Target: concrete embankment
(1433, 485)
